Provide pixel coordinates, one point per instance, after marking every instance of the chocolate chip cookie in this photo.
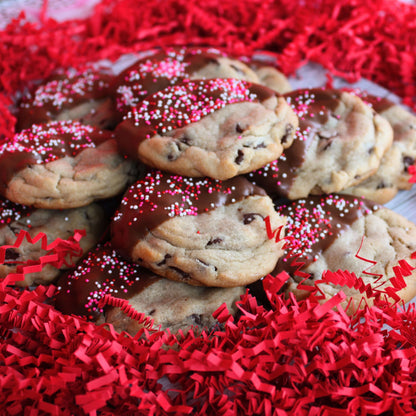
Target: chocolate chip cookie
(392, 175)
(54, 224)
(169, 304)
(70, 95)
(198, 231)
(63, 164)
(347, 233)
(218, 128)
(340, 142)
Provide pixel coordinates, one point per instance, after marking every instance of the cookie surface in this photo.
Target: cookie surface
(202, 232)
(171, 66)
(170, 304)
(70, 95)
(218, 128)
(55, 224)
(62, 165)
(274, 79)
(340, 142)
(347, 233)
(392, 175)
(269, 75)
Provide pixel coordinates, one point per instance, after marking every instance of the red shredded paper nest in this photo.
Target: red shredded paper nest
(302, 358)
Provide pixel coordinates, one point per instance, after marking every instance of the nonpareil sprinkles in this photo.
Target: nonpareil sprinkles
(271, 171)
(102, 272)
(175, 195)
(60, 92)
(51, 141)
(11, 212)
(313, 220)
(313, 107)
(179, 105)
(148, 71)
(169, 66)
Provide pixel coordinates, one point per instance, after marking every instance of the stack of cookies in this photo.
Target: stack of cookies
(198, 151)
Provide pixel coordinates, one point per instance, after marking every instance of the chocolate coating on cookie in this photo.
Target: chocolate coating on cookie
(379, 104)
(314, 223)
(45, 143)
(151, 74)
(179, 105)
(313, 108)
(11, 212)
(62, 91)
(101, 272)
(160, 196)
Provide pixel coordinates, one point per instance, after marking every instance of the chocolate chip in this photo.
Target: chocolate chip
(214, 241)
(407, 161)
(371, 150)
(213, 61)
(177, 147)
(325, 142)
(249, 218)
(197, 318)
(202, 262)
(152, 311)
(186, 140)
(240, 157)
(167, 256)
(381, 185)
(11, 254)
(238, 128)
(183, 274)
(260, 146)
(288, 132)
(237, 69)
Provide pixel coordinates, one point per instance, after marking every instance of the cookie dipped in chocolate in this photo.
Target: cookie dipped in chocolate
(102, 271)
(182, 104)
(379, 104)
(161, 196)
(313, 108)
(171, 66)
(314, 223)
(11, 212)
(45, 143)
(393, 173)
(69, 95)
(202, 232)
(339, 143)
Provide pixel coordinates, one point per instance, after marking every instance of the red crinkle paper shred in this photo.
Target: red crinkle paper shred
(295, 358)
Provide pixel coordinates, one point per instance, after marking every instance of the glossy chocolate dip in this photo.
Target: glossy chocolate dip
(161, 196)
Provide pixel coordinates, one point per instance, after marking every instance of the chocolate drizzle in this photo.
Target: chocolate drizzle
(101, 272)
(45, 143)
(160, 196)
(314, 223)
(179, 105)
